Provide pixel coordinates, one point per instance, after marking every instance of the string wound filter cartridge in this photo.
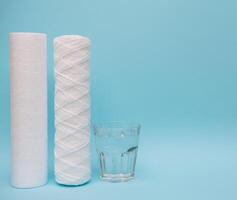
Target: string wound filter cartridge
(28, 80)
(72, 110)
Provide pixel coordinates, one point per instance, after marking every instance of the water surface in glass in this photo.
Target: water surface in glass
(117, 145)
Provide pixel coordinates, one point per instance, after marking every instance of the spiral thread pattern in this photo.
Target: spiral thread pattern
(72, 110)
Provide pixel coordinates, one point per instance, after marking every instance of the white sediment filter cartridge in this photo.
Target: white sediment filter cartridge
(28, 91)
(72, 110)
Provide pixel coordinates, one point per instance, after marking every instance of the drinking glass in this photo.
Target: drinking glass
(116, 146)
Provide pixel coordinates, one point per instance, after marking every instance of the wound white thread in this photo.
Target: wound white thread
(72, 110)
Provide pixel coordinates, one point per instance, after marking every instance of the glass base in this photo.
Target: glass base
(116, 178)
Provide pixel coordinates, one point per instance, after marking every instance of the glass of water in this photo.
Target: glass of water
(116, 146)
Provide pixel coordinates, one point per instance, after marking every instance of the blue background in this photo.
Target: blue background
(169, 64)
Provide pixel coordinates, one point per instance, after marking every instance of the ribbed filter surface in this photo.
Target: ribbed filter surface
(72, 110)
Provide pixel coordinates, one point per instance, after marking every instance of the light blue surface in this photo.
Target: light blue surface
(168, 64)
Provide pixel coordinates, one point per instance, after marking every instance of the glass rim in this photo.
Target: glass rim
(116, 124)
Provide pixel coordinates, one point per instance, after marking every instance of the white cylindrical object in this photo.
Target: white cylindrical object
(28, 80)
(72, 110)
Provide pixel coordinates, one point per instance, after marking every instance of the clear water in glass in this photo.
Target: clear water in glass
(117, 145)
